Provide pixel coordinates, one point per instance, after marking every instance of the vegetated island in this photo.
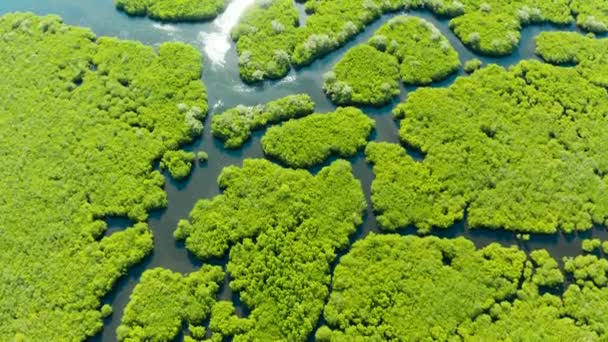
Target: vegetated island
(163, 299)
(390, 287)
(310, 140)
(235, 125)
(282, 228)
(270, 38)
(407, 46)
(586, 53)
(173, 10)
(522, 150)
(82, 118)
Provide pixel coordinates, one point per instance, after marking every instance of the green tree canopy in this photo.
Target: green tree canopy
(310, 140)
(282, 228)
(173, 10)
(81, 119)
(522, 150)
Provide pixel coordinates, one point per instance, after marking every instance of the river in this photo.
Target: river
(226, 90)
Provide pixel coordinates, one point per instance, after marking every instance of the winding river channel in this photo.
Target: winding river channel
(225, 90)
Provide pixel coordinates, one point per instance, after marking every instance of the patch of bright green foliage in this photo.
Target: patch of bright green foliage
(282, 228)
(406, 46)
(590, 245)
(163, 300)
(265, 39)
(81, 121)
(390, 287)
(522, 150)
(587, 53)
(173, 10)
(269, 38)
(312, 139)
(363, 76)
(179, 163)
(591, 15)
(493, 27)
(235, 125)
(425, 55)
(472, 65)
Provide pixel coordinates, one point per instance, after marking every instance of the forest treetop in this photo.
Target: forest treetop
(82, 119)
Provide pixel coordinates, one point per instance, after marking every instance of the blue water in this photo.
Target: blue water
(225, 90)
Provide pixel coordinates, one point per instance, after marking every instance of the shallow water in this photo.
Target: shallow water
(226, 90)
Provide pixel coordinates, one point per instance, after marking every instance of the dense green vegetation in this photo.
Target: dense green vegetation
(406, 46)
(164, 300)
(363, 76)
(81, 121)
(173, 10)
(265, 39)
(591, 15)
(269, 37)
(522, 150)
(387, 286)
(179, 163)
(310, 140)
(282, 228)
(472, 65)
(493, 27)
(569, 48)
(425, 55)
(235, 125)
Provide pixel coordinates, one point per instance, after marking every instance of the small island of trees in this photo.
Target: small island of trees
(173, 10)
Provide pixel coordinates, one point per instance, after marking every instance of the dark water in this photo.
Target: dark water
(226, 90)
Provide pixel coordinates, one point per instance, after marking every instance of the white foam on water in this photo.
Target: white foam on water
(166, 27)
(217, 42)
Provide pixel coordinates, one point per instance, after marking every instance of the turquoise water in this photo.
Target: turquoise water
(225, 90)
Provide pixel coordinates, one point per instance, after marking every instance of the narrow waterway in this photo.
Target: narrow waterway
(226, 90)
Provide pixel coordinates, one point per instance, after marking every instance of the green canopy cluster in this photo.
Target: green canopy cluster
(312, 139)
(173, 10)
(265, 39)
(591, 15)
(493, 27)
(269, 38)
(390, 287)
(522, 150)
(406, 46)
(282, 228)
(364, 76)
(81, 121)
(235, 125)
(425, 55)
(163, 300)
(179, 163)
(587, 53)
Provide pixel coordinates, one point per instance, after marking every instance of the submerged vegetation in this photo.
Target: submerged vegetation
(173, 10)
(521, 150)
(82, 119)
(235, 125)
(310, 140)
(281, 228)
